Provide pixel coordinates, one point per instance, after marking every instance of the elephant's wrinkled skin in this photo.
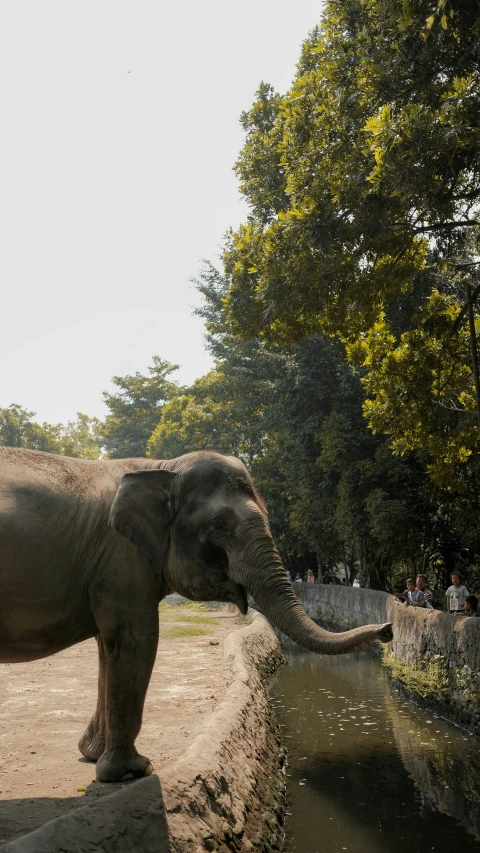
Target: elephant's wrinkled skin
(88, 549)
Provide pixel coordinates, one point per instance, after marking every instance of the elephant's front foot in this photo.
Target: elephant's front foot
(122, 763)
(92, 743)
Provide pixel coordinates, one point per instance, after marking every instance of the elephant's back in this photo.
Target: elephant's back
(20, 465)
(39, 473)
(53, 515)
(42, 495)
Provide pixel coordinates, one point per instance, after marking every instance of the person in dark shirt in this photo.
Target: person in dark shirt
(427, 593)
(471, 605)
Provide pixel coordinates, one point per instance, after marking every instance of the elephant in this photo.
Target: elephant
(88, 548)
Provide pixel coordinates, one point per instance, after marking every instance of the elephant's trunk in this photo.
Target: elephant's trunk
(275, 598)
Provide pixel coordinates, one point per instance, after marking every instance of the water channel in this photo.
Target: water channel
(368, 771)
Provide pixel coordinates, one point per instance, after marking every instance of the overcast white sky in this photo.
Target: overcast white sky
(119, 133)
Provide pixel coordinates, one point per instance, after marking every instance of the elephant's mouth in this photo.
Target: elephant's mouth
(215, 559)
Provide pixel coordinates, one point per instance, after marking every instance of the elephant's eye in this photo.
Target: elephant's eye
(218, 524)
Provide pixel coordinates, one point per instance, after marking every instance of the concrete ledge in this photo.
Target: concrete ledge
(434, 657)
(226, 793)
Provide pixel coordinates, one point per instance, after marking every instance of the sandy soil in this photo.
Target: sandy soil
(45, 706)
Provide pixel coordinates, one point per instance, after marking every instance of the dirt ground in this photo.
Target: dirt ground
(45, 706)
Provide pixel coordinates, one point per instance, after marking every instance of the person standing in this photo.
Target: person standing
(310, 576)
(456, 596)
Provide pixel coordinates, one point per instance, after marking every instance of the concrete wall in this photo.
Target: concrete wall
(434, 656)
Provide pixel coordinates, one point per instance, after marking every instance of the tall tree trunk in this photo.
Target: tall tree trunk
(474, 349)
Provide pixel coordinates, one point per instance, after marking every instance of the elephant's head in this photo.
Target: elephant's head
(204, 527)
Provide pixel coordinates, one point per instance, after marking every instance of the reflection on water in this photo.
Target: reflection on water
(367, 771)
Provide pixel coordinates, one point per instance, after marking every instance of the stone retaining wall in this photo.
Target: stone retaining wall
(435, 657)
(226, 793)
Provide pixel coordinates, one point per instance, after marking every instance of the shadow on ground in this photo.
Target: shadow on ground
(113, 818)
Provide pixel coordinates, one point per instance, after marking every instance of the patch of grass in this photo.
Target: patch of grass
(164, 606)
(183, 631)
(188, 618)
(202, 620)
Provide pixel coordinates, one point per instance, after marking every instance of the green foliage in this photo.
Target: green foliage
(294, 415)
(135, 409)
(363, 182)
(82, 438)
(259, 169)
(17, 429)
(226, 410)
(429, 677)
(206, 418)
(78, 438)
(420, 386)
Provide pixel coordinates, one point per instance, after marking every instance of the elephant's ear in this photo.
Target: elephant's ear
(142, 511)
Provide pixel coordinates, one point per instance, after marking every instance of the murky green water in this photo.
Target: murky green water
(367, 771)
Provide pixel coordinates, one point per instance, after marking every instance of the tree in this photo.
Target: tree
(82, 438)
(17, 429)
(79, 438)
(363, 183)
(135, 409)
(226, 410)
(294, 415)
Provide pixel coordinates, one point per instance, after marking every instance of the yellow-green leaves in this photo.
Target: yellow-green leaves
(364, 181)
(420, 386)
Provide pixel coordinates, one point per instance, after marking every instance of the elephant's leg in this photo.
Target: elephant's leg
(129, 654)
(92, 743)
